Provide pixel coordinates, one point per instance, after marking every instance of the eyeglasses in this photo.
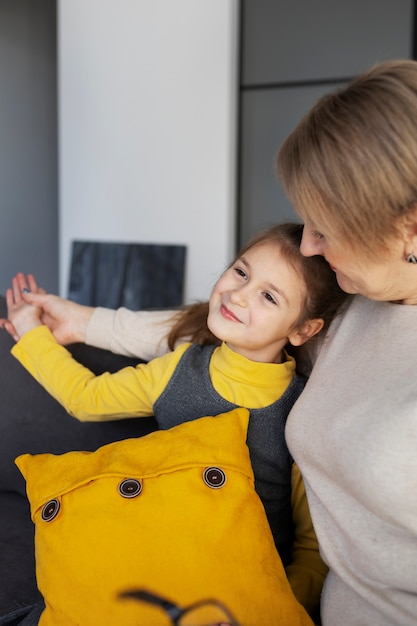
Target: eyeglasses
(204, 613)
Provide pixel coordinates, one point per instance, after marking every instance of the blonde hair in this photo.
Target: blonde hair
(351, 163)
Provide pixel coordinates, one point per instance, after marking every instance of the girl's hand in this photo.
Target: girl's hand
(21, 316)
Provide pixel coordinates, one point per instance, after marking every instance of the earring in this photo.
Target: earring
(411, 258)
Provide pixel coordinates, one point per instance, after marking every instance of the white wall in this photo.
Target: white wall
(147, 127)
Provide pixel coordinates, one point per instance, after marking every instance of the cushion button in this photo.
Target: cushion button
(130, 488)
(214, 477)
(50, 510)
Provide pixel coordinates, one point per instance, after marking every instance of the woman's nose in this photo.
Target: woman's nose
(310, 245)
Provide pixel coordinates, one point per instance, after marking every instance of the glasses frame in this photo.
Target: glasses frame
(174, 612)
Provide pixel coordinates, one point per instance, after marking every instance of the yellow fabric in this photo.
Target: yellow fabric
(130, 392)
(249, 383)
(179, 537)
(238, 380)
(307, 570)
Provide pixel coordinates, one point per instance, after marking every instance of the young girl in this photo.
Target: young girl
(270, 296)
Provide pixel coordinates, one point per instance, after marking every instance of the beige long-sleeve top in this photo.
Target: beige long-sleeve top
(353, 433)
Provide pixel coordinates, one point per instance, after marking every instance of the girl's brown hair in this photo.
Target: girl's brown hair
(351, 163)
(323, 294)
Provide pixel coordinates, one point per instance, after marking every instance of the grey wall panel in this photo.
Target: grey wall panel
(267, 118)
(309, 40)
(28, 145)
(292, 53)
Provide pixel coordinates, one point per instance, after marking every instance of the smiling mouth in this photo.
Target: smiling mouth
(228, 315)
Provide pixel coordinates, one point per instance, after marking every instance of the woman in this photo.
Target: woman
(350, 170)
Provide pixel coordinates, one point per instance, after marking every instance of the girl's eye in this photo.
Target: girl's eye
(270, 298)
(240, 272)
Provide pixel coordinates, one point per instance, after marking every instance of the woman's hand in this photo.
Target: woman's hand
(66, 320)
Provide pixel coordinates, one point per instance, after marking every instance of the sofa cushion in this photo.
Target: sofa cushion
(175, 512)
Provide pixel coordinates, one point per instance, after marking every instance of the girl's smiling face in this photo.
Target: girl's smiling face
(256, 303)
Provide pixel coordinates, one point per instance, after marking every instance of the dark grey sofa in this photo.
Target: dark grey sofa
(31, 421)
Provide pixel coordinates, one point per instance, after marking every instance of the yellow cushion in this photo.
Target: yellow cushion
(179, 537)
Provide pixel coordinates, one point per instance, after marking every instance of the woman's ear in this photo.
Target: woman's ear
(408, 227)
(306, 331)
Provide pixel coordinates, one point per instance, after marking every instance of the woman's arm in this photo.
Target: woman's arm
(142, 334)
(134, 333)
